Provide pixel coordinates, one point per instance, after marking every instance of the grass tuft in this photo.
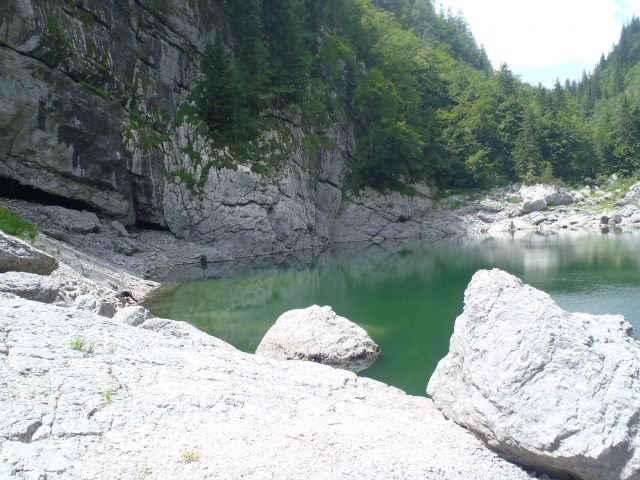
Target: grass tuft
(78, 343)
(189, 456)
(13, 224)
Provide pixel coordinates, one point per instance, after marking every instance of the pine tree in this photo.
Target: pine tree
(214, 94)
(527, 154)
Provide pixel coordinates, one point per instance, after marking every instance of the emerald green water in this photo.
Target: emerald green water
(407, 297)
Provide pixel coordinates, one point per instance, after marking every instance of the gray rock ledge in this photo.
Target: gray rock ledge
(320, 335)
(557, 391)
(17, 255)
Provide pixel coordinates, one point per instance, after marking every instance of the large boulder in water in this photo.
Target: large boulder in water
(318, 334)
(557, 391)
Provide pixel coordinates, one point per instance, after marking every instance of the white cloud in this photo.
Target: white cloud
(536, 35)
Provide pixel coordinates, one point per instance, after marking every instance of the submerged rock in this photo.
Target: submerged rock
(318, 334)
(19, 256)
(553, 390)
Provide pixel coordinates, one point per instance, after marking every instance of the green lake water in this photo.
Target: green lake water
(407, 297)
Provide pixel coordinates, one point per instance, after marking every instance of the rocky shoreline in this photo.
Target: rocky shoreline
(86, 396)
(155, 398)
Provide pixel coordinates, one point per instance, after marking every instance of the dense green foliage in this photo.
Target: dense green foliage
(610, 100)
(13, 224)
(424, 100)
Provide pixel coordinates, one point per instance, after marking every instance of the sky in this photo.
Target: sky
(541, 40)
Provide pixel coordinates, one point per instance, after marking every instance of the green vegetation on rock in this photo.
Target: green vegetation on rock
(13, 224)
(56, 33)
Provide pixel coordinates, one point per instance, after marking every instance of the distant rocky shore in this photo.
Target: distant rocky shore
(84, 241)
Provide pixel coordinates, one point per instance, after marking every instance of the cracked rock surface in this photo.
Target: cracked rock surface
(550, 389)
(166, 401)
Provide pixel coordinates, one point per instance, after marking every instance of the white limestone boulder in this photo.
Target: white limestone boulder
(538, 197)
(17, 255)
(318, 334)
(134, 315)
(556, 391)
(91, 302)
(30, 286)
(633, 196)
(534, 205)
(76, 221)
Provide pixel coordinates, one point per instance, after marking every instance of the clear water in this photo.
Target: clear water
(407, 297)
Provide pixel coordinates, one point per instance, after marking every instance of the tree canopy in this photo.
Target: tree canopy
(424, 100)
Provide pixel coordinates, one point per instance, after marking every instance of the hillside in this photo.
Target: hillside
(281, 125)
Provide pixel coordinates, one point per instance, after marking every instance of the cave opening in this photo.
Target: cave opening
(10, 188)
(142, 225)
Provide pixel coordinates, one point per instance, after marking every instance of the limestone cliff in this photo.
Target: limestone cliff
(92, 96)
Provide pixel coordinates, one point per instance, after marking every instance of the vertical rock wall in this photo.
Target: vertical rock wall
(92, 96)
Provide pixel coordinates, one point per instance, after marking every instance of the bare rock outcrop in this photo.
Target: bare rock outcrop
(383, 216)
(553, 390)
(633, 196)
(320, 335)
(39, 288)
(17, 255)
(538, 197)
(134, 315)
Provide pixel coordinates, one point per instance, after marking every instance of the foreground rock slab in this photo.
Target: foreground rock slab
(553, 390)
(164, 400)
(320, 335)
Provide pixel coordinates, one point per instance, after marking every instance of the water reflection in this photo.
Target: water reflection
(406, 296)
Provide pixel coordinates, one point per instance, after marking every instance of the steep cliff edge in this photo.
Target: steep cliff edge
(92, 99)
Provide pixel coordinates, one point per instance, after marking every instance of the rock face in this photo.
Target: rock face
(554, 390)
(19, 256)
(370, 215)
(318, 334)
(166, 401)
